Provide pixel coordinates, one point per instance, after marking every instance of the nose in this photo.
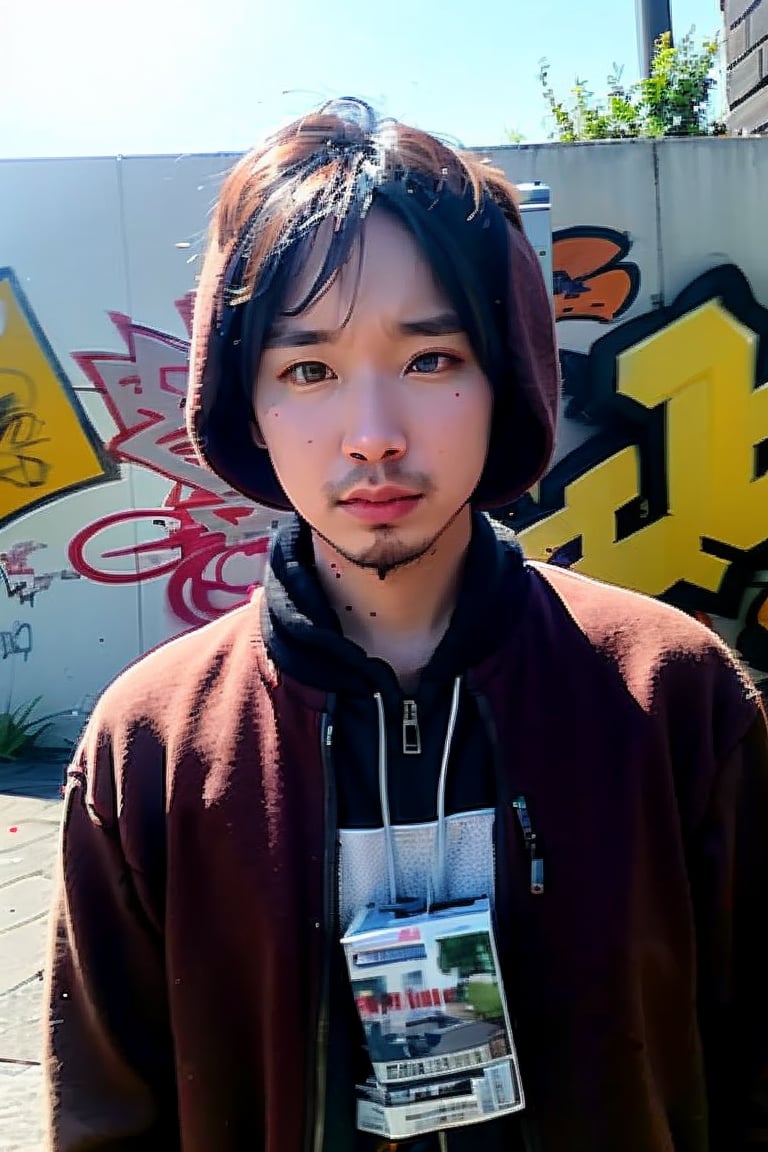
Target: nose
(374, 431)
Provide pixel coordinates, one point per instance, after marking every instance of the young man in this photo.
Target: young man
(408, 722)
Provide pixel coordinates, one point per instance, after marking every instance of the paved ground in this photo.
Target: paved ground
(30, 809)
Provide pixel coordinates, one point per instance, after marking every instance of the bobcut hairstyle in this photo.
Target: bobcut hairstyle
(308, 189)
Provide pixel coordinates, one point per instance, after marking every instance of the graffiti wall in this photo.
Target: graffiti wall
(661, 477)
(203, 539)
(112, 538)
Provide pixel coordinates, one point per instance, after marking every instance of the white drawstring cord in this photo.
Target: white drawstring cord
(438, 878)
(384, 798)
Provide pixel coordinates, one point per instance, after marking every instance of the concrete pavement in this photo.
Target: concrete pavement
(30, 811)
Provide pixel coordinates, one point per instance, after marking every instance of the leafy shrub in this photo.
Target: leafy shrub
(19, 734)
(672, 101)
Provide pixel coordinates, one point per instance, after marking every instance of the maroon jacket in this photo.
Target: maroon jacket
(192, 925)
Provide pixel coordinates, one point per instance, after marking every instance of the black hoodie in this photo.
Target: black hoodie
(306, 641)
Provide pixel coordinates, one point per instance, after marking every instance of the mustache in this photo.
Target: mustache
(376, 477)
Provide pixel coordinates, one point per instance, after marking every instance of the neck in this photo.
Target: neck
(402, 618)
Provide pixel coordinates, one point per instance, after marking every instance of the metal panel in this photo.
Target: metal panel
(736, 9)
(752, 115)
(736, 41)
(165, 247)
(536, 208)
(594, 187)
(745, 76)
(758, 23)
(607, 184)
(712, 195)
(60, 233)
(167, 203)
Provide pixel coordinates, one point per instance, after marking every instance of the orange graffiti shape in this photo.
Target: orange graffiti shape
(592, 278)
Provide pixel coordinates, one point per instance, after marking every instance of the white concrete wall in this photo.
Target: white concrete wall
(101, 255)
(96, 246)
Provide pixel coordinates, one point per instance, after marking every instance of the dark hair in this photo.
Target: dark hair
(322, 175)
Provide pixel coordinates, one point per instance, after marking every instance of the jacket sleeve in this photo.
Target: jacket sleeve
(729, 875)
(108, 1065)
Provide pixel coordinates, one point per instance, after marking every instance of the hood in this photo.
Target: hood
(526, 390)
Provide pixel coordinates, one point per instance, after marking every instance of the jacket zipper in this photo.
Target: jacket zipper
(330, 869)
(411, 733)
(529, 836)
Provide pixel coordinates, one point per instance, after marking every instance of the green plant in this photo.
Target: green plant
(672, 101)
(469, 954)
(485, 999)
(19, 734)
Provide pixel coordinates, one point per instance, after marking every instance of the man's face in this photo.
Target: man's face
(378, 427)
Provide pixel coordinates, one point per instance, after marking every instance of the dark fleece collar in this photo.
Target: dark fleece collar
(304, 634)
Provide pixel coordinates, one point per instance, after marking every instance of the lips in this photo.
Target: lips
(383, 495)
(380, 505)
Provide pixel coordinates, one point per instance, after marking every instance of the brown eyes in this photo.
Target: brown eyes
(309, 372)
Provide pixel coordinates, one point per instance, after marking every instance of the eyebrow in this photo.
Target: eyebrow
(279, 337)
(444, 324)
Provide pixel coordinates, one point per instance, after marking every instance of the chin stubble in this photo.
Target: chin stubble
(383, 564)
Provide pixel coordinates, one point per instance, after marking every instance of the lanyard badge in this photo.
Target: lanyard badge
(429, 994)
(430, 998)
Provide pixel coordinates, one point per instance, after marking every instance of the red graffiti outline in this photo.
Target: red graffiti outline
(192, 555)
(191, 590)
(88, 363)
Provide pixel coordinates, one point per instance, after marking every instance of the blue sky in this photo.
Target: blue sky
(86, 77)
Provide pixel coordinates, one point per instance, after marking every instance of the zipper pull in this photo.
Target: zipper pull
(529, 836)
(411, 734)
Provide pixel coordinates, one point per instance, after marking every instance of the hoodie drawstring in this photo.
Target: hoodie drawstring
(439, 868)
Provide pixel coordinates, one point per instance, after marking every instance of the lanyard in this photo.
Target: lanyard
(439, 879)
